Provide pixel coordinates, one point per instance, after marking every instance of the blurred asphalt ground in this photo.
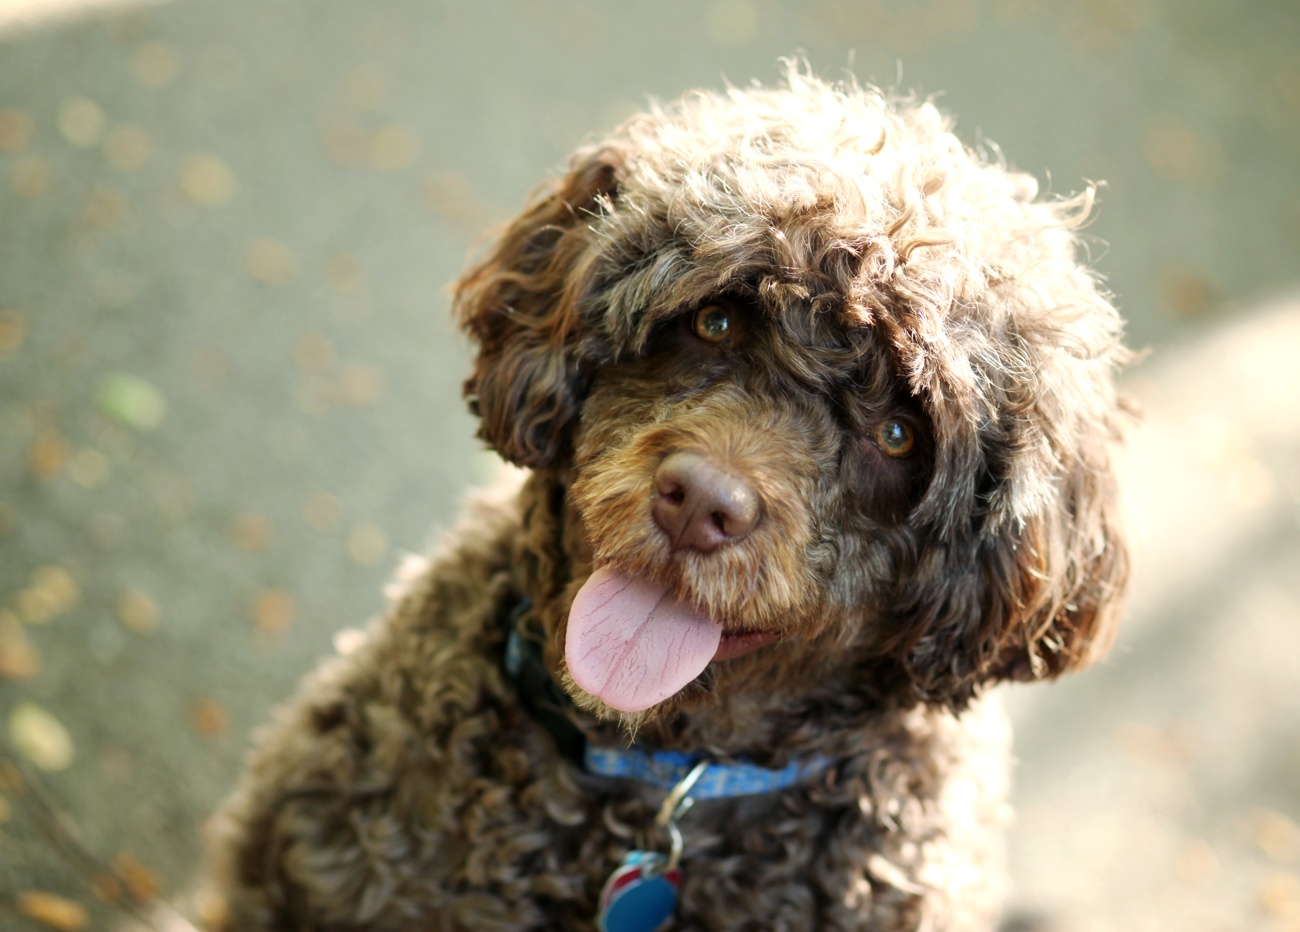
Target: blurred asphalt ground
(229, 390)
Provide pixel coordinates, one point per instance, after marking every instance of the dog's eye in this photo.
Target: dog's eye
(712, 323)
(895, 437)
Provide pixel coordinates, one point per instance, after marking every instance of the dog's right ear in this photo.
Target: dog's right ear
(520, 304)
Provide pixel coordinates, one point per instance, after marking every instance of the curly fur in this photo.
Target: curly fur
(873, 269)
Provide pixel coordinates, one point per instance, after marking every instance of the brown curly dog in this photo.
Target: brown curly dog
(819, 413)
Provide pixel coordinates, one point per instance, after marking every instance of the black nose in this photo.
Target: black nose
(700, 505)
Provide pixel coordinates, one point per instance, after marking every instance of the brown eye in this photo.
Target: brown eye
(712, 323)
(895, 437)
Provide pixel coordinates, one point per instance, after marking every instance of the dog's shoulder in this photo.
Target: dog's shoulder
(375, 773)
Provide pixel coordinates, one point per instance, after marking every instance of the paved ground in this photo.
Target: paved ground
(229, 390)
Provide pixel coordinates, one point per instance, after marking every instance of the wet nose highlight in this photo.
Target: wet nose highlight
(701, 505)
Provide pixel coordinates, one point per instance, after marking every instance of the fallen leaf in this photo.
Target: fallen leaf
(107, 208)
(40, 737)
(47, 455)
(132, 401)
(11, 779)
(141, 883)
(207, 181)
(60, 585)
(273, 611)
(393, 148)
(53, 911)
(361, 385)
(137, 611)
(81, 122)
(13, 329)
(154, 65)
(52, 592)
(208, 718)
(19, 660)
(15, 130)
(270, 262)
(251, 532)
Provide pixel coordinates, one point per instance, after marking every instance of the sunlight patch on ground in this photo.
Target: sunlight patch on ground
(27, 12)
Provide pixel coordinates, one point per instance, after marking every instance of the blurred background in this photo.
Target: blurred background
(229, 390)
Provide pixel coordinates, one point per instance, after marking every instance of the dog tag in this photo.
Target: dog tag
(640, 895)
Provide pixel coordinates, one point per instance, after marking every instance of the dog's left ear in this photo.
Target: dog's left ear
(1057, 588)
(1033, 569)
(1033, 586)
(521, 305)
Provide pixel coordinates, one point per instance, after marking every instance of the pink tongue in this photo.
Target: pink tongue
(631, 644)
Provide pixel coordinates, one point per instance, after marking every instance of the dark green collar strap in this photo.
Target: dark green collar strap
(538, 693)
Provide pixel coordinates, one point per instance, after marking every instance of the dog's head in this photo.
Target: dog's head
(830, 395)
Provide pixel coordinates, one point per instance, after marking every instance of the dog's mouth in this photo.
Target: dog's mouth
(737, 644)
(632, 644)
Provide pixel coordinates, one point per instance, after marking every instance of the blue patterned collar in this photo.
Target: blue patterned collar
(666, 769)
(662, 769)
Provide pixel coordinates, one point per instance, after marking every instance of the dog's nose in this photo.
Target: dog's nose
(701, 506)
